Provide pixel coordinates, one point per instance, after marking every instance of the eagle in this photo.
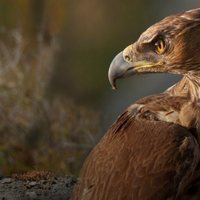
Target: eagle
(151, 152)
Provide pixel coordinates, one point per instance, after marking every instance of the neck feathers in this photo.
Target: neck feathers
(189, 87)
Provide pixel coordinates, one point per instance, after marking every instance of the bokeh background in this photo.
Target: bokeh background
(55, 99)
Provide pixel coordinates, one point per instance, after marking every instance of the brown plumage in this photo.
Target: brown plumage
(152, 150)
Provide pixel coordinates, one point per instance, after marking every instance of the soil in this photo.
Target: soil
(28, 187)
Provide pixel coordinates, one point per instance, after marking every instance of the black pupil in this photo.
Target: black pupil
(160, 45)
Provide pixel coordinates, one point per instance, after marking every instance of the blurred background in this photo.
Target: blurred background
(55, 98)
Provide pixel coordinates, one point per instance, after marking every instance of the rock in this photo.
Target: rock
(53, 188)
(31, 195)
(32, 183)
(6, 180)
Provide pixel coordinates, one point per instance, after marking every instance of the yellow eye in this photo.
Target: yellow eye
(160, 47)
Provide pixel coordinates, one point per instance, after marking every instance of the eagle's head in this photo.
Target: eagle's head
(171, 45)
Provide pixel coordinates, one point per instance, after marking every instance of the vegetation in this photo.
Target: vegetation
(54, 57)
(38, 132)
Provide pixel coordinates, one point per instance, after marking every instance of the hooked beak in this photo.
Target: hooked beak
(126, 64)
(119, 68)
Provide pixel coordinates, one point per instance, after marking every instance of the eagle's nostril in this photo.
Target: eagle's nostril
(127, 58)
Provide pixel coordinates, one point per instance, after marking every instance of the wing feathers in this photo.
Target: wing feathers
(147, 159)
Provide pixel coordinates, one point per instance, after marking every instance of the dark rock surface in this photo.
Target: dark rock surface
(51, 188)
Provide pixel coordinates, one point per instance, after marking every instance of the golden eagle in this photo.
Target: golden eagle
(152, 150)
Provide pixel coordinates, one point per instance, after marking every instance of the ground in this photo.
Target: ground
(20, 187)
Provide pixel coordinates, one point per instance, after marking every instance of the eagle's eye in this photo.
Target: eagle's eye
(160, 46)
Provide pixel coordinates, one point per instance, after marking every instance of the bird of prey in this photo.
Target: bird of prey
(151, 152)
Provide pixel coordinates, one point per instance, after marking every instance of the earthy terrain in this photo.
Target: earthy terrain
(37, 186)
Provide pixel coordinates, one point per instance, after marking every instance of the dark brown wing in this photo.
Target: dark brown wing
(192, 192)
(138, 160)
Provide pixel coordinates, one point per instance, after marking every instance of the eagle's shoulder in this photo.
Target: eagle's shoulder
(152, 157)
(162, 107)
